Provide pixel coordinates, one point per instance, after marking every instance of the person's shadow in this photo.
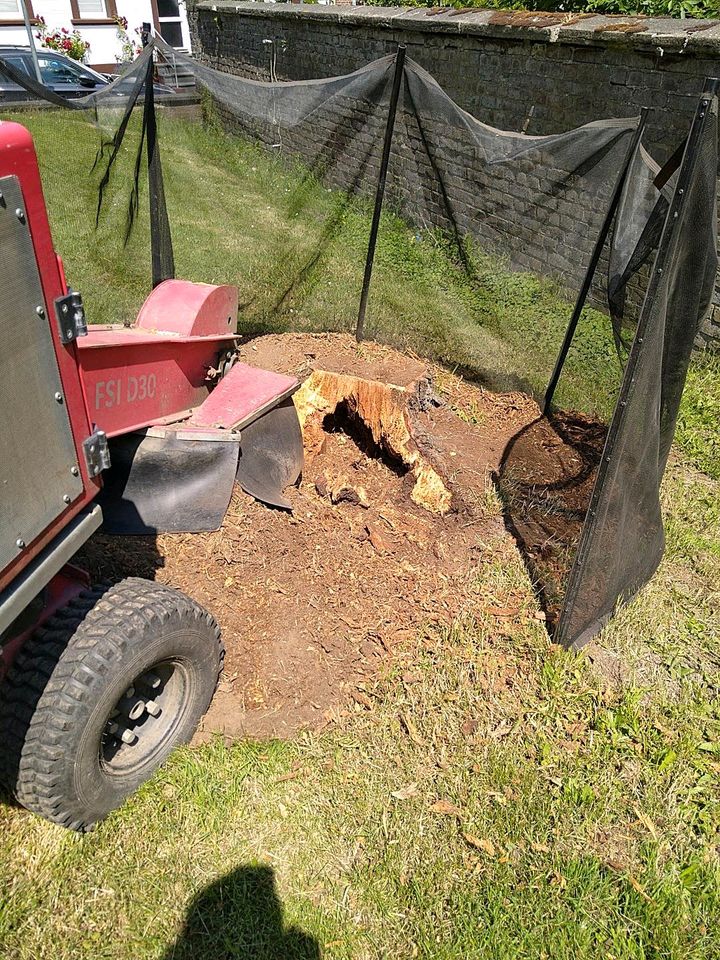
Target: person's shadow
(240, 916)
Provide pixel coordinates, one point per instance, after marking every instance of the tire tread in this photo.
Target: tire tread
(53, 678)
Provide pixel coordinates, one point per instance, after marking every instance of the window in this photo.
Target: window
(169, 22)
(10, 11)
(93, 11)
(92, 8)
(20, 63)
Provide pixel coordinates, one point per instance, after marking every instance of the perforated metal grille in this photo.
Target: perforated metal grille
(37, 453)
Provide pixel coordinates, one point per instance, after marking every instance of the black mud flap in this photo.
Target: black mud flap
(271, 455)
(166, 483)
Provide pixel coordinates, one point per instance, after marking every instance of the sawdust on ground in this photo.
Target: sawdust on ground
(312, 603)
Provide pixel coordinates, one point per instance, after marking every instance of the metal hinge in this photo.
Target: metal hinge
(97, 452)
(70, 315)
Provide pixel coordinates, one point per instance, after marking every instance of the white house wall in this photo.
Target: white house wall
(105, 48)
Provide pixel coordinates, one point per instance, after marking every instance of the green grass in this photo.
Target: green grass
(596, 805)
(697, 429)
(587, 796)
(296, 251)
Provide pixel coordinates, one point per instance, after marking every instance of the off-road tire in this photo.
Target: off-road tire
(57, 697)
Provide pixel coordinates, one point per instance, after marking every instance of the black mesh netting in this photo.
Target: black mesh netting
(622, 540)
(111, 109)
(535, 203)
(588, 208)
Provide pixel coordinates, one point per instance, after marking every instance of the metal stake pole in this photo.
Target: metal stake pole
(163, 263)
(594, 259)
(380, 192)
(31, 40)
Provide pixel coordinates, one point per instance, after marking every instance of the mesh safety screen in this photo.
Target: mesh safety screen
(512, 210)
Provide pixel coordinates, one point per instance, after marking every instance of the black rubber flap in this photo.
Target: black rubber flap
(271, 455)
(167, 485)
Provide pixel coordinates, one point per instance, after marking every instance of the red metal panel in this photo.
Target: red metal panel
(190, 309)
(132, 382)
(64, 587)
(17, 158)
(157, 369)
(241, 396)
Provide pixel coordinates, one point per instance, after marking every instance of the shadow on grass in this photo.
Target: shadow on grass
(319, 172)
(240, 915)
(8, 800)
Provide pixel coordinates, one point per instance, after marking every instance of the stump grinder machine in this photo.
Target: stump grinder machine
(142, 429)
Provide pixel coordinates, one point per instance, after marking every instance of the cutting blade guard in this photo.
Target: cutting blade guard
(271, 455)
(179, 478)
(162, 481)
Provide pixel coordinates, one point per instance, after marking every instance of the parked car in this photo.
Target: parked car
(59, 73)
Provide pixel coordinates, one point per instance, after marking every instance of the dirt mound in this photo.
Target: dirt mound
(381, 539)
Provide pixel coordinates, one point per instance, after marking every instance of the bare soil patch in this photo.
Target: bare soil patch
(546, 480)
(385, 527)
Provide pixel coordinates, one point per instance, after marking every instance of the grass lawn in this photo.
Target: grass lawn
(494, 797)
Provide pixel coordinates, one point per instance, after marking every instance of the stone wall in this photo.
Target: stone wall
(539, 73)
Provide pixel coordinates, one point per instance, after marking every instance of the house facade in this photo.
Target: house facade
(96, 21)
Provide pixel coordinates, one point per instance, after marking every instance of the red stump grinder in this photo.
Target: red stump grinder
(143, 429)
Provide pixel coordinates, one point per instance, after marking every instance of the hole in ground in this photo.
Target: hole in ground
(345, 420)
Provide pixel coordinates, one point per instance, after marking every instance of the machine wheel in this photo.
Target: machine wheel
(100, 696)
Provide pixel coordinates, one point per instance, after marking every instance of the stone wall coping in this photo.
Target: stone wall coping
(658, 35)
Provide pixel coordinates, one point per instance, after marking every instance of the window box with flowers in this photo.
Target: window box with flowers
(63, 40)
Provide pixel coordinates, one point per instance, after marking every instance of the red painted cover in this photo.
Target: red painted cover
(132, 381)
(242, 395)
(190, 309)
(158, 368)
